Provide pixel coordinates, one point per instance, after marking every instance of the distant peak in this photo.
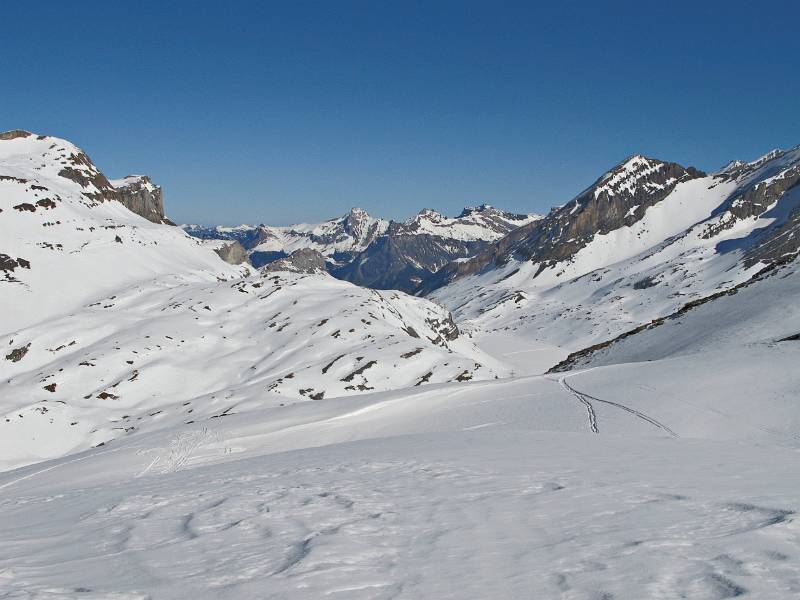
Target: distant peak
(427, 212)
(469, 210)
(357, 211)
(638, 160)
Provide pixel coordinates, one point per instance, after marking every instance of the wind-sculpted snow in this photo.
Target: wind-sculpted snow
(499, 486)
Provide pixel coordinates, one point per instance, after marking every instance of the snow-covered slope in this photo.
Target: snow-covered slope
(113, 324)
(65, 239)
(702, 235)
(168, 455)
(151, 355)
(688, 489)
(760, 311)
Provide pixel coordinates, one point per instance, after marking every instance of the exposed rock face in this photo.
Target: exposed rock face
(400, 261)
(14, 134)
(299, 261)
(618, 198)
(410, 253)
(377, 253)
(233, 253)
(140, 195)
(135, 192)
(17, 354)
(774, 195)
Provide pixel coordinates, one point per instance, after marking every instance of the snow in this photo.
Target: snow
(499, 486)
(627, 175)
(186, 451)
(77, 235)
(165, 332)
(476, 223)
(624, 278)
(132, 180)
(350, 233)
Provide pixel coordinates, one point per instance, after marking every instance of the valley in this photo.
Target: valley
(577, 405)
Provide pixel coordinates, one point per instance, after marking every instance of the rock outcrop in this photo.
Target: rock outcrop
(619, 198)
(304, 260)
(233, 253)
(374, 252)
(140, 195)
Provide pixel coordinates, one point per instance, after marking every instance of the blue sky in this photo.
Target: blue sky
(295, 111)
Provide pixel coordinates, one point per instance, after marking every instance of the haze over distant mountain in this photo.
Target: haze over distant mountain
(375, 252)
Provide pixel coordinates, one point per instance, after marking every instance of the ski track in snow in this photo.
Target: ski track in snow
(583, 400)
(586, 400)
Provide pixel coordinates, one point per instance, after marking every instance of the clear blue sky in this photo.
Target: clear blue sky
(295, 111)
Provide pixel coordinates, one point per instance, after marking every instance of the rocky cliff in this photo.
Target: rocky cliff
(619, 198)
(140, 195)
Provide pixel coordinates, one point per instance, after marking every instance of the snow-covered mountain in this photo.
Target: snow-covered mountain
(647, 238)
(674, 477)
(66, 238)
(178, 426)
(400, 255)
(114, 323)
(337, 238)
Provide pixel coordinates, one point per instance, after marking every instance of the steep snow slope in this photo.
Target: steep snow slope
(707, 234)
(65, 239)
(761, 311)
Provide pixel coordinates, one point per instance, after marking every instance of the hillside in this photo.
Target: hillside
(115, 324)
(661, 243)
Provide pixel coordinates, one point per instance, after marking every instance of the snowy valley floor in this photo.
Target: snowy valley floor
(496, 489)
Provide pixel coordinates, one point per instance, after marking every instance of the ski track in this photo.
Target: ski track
(583, 400)
(586, 399)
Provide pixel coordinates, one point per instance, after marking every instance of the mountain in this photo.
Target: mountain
(374, 252)
(179, 426)
(338, 238)
(617, 199)
(66, 238)
(645, 239)
(114, 324)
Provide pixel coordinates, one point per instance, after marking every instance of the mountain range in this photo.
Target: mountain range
(374, 252)
(374, 409)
